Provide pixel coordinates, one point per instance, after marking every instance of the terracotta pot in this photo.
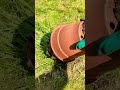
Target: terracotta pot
(63, 40)
(100, 22)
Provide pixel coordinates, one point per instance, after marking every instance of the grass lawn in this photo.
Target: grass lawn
(14, 75)
(49, 74)
(108, 81)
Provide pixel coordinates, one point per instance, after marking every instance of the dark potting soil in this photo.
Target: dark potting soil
(50, 53)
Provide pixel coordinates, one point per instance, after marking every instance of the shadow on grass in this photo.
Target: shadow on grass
(57, 78)
(23, 42)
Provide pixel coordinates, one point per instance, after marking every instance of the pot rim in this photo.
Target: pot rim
(51, 41)
(59, 42)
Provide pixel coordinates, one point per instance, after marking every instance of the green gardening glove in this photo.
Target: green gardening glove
(80, 44)
(110, 44)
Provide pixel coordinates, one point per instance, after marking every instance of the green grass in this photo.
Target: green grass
(13, 75)
(49, 74)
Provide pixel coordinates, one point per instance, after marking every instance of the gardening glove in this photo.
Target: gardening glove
(110, 44)
(80, 44)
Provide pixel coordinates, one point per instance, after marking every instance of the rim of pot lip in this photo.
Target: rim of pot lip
(51, 41)
(110, 19)
(79, 29)
(59, 42)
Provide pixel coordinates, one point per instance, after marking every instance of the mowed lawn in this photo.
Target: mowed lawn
(14, 74)
(49, 74)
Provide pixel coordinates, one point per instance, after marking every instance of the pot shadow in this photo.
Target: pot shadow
(101, 68)
(71, 58)
(23, 39)
(57, 78)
